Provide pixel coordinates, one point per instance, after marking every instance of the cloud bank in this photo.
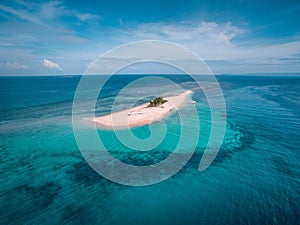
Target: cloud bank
(16, 65)
(216, 42)
(51, 65)
(75, 36)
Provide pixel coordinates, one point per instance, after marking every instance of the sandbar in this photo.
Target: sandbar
(142, 114)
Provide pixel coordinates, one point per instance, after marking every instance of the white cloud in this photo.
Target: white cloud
(204, 32)
(73, 39)
(121, 22)
(87, 16)
(15, 65)
(51, 65)
(215, 41)
(50, 9)
(46, 13)
(212, 41)
(21, 14)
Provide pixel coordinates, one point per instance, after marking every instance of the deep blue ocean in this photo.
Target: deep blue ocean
(255, 178)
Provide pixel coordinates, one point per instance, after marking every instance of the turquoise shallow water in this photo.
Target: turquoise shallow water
(254, 179)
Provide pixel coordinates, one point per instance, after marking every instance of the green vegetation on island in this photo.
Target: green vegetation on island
(157, 102)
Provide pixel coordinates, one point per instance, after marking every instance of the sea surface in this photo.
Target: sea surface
(255, 178)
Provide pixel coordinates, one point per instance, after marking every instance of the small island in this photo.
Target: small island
(147, 113)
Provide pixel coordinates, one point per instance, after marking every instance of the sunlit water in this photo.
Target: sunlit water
(254, 179)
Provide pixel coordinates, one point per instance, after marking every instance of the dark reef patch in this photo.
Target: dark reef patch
(21, 204)
(41, 196)
(84, 174)
(246, 141)
(138, 158)
(74, 214)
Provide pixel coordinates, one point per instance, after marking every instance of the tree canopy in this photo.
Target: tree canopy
(157, 102)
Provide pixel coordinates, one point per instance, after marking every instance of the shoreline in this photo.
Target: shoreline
(142, 115)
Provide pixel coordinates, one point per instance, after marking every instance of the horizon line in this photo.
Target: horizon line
(128, 74)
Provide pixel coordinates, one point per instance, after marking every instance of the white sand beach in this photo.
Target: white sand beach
(142, 115)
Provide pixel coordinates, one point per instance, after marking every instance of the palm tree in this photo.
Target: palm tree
(157, 102)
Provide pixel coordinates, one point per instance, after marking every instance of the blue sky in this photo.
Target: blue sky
(64, 37)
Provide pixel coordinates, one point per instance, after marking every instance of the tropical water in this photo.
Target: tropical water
(255, 178)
